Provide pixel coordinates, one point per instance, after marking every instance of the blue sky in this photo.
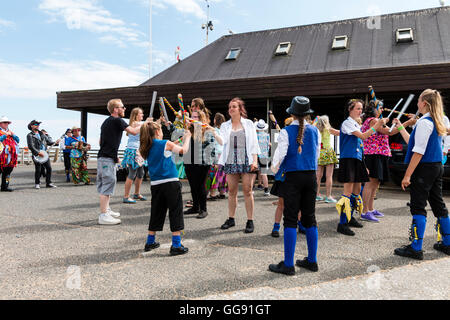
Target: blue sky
(57, 45)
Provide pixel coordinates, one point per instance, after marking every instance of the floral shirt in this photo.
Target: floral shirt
(377, 143)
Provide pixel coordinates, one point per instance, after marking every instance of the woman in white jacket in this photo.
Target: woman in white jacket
(240, 159)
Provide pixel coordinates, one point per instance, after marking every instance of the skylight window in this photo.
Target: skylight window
(233, 54)
(340, 42)
(405, 35)
(283, 48)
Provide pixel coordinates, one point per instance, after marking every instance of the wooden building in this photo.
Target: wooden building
(329, 62)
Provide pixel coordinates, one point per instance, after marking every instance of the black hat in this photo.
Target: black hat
(34, 122)
(300, 106)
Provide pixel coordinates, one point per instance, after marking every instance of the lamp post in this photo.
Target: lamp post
(150, 57)
(208, 25)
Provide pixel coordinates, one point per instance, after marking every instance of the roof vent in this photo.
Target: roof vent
(233, 54)
(404, 35)
(340, 42)
(283, 48)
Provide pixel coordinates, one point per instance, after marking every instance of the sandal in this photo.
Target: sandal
(139, 197)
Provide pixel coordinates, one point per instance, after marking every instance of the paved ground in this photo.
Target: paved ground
(51, 247)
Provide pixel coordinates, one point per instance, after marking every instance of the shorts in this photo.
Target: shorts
(352, 171)
(106, 176)
(378, 166)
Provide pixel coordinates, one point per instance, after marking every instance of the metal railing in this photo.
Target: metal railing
(55, 155)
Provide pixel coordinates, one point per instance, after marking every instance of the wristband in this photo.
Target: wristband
(180, 141)
(400, 128)
(375, 131)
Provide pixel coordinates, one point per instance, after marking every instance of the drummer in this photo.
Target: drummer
(37, 143)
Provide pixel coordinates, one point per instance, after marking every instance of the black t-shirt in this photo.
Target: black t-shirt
(110, 137)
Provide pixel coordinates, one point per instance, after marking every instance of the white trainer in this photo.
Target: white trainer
(106, 218)
(112, 213)
(37, 186)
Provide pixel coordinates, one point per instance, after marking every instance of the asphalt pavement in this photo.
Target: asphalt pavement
(51, 247)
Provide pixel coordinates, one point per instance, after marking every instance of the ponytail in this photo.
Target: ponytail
(435, 103)
(147, 134)
(301, 131)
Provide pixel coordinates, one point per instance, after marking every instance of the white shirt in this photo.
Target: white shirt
(283, 146)
(251, 140)
(446, 138)
(424, 129)
(349, 126)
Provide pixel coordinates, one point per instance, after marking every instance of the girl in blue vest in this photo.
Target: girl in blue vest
(424, 175)
(165, 186)
(352, 170)
(295, 163)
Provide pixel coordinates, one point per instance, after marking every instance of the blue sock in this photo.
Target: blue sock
(290, 240)
(150, 239)
(445, 230)
(419, 224)
(300, 226)
(276, 227)
(176, 241)
(312, 239)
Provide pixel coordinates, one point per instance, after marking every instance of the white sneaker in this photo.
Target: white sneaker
(37, 186)
(105, 218)
(112, 213)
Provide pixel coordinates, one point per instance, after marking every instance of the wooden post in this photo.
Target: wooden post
(84, 122)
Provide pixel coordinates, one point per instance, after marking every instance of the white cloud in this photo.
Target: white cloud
(196, 8)
(6, 24)
(42, 79)
(90, 16)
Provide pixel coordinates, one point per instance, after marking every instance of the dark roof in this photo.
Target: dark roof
(311, 52)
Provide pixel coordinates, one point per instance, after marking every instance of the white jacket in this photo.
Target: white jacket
(251, 140)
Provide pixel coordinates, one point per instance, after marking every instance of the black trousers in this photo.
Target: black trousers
(5, 173)
(196, 175)
(426, 185)
(166, 196)
(299, 193)
(67, 164)
(37, 173)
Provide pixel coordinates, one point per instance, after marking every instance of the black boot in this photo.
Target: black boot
(439, 246)
(311, 266)
(344, 229)
(409, 252)
(228, 224)
(281, 268)
(354, 223)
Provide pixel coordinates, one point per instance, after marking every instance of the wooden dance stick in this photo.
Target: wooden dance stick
(392, 111)
(397, 112)
(163, 108)
(410, 98)
(152, 108)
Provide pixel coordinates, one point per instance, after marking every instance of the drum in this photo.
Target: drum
(43, 159)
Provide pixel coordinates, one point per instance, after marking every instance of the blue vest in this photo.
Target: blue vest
(160, 167)
(305, 161)
(350, 146)
(433, 152)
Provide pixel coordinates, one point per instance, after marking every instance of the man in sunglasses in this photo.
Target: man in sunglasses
(110, 137)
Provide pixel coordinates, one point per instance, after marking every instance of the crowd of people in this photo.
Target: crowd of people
(218, 155)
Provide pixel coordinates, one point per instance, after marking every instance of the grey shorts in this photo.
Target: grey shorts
(106, 176)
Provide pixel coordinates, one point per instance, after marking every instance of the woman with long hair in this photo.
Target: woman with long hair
(424, 175)
(133, 160)
(352, 168)
(376, 155)
(198, 161)
(240, 159)
(165, 185)
(327, 158)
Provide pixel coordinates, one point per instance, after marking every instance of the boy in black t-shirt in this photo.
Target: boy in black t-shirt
(110, 137)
